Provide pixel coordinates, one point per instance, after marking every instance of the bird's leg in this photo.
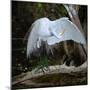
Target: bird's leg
(46, 66)
(43, 64)
(43, 59)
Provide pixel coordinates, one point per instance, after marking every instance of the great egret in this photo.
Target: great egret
(52, 32)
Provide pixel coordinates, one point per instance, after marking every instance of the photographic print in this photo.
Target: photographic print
(49, 44)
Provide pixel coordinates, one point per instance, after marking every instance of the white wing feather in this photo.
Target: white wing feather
(68, 31)
(32, 39)
(62, 29)
(38, 33)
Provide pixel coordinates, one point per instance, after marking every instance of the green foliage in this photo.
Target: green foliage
(40, 5)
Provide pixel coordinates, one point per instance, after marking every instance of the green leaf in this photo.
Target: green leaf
(39, 5)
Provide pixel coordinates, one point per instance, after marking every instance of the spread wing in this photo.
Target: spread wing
(32, 39)
(66, 30)
(36, 34)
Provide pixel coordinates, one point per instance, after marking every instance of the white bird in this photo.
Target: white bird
(52, 32)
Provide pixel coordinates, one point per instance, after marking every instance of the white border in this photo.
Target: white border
(81, 2)
(5, 45)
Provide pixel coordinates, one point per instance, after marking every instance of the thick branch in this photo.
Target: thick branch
(52, 69)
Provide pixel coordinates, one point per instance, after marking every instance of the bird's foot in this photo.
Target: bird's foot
(43, 65)
(42, 69)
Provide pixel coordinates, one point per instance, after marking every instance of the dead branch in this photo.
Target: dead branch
(53, 70)
(73, 14)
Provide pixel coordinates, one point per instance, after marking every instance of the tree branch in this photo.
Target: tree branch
(52, 70)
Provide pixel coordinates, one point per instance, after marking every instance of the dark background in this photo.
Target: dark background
(23, 15)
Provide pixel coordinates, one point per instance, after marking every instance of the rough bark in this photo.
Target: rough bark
(52, 69)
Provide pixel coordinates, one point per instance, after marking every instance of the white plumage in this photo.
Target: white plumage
(52, 32)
